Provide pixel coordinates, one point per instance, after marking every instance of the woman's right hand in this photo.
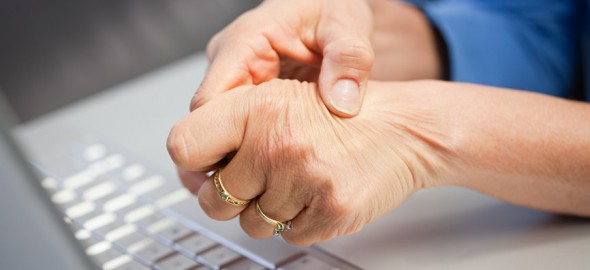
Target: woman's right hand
(327, 42)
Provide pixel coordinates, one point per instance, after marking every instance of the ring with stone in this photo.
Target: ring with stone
(279, 227)
(223, 194)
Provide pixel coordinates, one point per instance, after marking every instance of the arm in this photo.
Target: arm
(331, 176)
(406, 45)
(529, 149)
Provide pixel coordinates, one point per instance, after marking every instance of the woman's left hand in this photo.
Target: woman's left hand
(327, 175)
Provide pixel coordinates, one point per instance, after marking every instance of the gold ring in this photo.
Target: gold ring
(279, 226)
(223, 194)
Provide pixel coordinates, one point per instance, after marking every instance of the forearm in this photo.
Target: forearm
(404, 42)
(525, 148)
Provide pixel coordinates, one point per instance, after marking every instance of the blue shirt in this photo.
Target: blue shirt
(535, 45)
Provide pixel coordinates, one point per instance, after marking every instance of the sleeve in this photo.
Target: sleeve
(525, 44)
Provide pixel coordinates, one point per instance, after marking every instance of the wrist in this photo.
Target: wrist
(419, 128)
(405, 43)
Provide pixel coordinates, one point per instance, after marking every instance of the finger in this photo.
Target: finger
(312, 226)
(275, 207)
(240, 179)
(208, 134)
(308, 229)
(249, 53)
(235, 66)
(347, 61)
(192, 180)
(285, 196)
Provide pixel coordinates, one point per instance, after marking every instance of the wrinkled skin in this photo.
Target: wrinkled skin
(344, 39)
(329, 175)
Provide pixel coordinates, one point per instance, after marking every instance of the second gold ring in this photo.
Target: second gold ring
(223, 194)
(279, 227)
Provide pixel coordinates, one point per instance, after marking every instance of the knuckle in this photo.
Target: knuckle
(211, 208)
(336, 209)
(352, 53)
(207, 207)
(203, 95)
(182, 149)
(197, 101)
(336, 206)
(177, 145)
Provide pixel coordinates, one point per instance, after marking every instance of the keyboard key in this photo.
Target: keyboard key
(174, 233)
(113, 226)
(85, 238)
(133, 172)
(147, 185)
(120, 232)
(108, 177)
(99, 221)
(132, 265)
(130, 239)
(124, 262)
(70, 204)
(80, 209)
(176, 262)
(50, 184)
(153, 251)
(85, 218)
(64, 196)
(110, 163)
(94, 152)
(101, 201)
(105, 256)
(195, 244)
(219, 257)
(140, 214)
(161, 192)
(149, 220)
(119, 202)
(244, 264)
(308, 262)
(121, 212)
(99, 190)
(168, 230)
(102, 252)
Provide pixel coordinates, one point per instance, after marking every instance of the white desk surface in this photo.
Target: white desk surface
(442, 228)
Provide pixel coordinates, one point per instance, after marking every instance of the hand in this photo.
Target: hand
(328, 42)
(329, 175)
(279, 39)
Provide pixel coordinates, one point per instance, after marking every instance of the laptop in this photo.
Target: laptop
(99, 172)
(84, 203)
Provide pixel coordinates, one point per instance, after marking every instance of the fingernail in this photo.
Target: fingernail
(345, 96)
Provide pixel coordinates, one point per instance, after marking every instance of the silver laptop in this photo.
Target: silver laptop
(90, 204)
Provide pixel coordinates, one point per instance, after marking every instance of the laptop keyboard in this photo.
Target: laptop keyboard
(128, 217)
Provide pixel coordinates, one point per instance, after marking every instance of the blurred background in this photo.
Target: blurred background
(55, 52)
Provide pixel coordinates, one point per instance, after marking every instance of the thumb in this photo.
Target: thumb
(344, 35)
(345, 71)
